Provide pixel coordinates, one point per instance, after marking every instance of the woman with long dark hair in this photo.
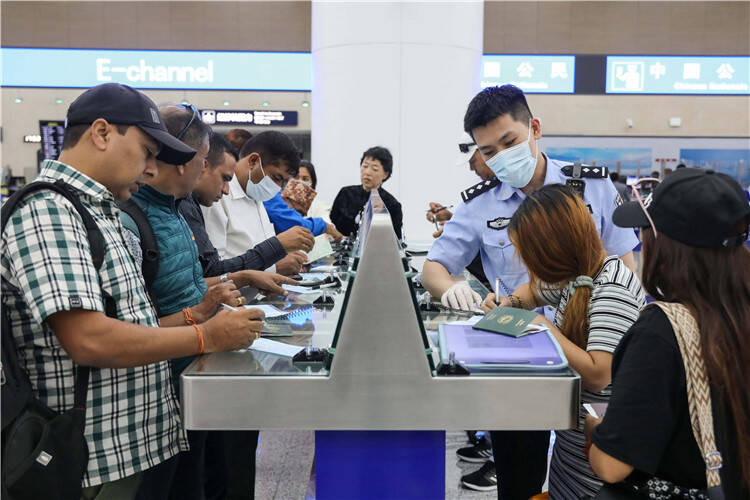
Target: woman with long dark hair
(597, 297)
(694, 254)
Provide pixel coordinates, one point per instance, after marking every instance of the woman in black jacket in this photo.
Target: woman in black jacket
(375, 168)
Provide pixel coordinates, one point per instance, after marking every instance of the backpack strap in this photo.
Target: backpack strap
(698, 390)
(97, 247)
(149, 245)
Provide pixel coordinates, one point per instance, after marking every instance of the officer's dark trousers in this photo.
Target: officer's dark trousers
(520, 462)
(230, 465)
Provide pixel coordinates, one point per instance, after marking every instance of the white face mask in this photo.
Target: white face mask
(264, 190)
(515, 165)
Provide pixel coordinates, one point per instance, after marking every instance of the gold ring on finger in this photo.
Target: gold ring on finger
(240, 300)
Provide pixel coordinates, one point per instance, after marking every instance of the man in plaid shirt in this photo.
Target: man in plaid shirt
(55, 296)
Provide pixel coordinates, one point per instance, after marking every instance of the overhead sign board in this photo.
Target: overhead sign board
(259, 118)
(156, 69)
(531, 73)
(678, 75)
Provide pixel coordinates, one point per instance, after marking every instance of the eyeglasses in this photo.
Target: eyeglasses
(643, 190)
(184, 130)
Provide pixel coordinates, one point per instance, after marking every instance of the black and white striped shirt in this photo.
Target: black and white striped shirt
(616, 301)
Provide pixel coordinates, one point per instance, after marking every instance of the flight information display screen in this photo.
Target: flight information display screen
(52, 138)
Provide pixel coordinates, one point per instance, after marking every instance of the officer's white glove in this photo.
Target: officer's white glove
(460, 296)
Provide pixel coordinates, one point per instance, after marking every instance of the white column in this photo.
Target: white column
(399, 75)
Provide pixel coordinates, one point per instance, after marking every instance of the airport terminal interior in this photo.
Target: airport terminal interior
(377, 249)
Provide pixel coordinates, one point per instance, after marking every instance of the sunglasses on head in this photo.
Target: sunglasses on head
(195, 116)
(466, 147)
(646, 187)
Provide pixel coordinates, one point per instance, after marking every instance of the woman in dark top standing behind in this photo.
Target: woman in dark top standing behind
(694, 232)
(375, 168)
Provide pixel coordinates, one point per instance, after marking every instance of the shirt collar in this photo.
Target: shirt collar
(235, 189)
(153, 196)
(55, 170)
(551, 176)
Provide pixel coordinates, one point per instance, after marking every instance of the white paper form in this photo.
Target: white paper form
(322, 248)
(274, 347)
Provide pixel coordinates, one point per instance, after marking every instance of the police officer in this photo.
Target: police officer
(507, 137)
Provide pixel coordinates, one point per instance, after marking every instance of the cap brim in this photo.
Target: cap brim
(173, 150)
(630, 214)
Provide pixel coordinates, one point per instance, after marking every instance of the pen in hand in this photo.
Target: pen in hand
(497, 291)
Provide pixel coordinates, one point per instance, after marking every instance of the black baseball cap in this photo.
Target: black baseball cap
(123, 105)
(694, 206)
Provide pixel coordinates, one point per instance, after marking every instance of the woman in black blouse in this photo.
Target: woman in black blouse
(694, 253)
(375, 168)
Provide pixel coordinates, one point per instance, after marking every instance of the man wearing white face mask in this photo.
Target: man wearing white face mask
(239, 221)
(507, 136)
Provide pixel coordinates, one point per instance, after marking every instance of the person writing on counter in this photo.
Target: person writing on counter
(507, 136)
(65, 311)
(597, 298)
(375, 167)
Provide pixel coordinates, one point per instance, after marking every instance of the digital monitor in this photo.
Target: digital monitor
(52, 132)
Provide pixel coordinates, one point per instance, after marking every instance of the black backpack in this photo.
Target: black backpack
(149, 246)
(44, 453)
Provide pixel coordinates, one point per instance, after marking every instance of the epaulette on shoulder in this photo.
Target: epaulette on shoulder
(580, 171)
(477, 189)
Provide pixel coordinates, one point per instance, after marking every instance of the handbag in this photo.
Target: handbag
(701, 420)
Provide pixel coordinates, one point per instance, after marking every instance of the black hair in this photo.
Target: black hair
(217, 146)
(177, 118)
(496, 101)
(274, 148)
(310, 168)
(73, 134)
(681, 165)
(238, 137)
(655, 174)
(383, 156)
(614, 176)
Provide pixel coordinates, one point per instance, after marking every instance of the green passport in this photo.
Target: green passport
(276, 330)
(508, 321)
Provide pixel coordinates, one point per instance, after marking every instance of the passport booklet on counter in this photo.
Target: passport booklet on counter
(510, 321)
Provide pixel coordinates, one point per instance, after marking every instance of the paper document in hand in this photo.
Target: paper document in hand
(298, 289)
(321, 249)
(269, 310)
(277, 348)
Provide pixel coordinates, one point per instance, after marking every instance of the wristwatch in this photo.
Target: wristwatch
(224, 278)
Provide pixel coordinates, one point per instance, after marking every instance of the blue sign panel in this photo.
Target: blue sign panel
(678, 75)
(156, 69)
(532, 73)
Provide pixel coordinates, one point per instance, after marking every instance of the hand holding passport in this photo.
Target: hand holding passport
(509, 321)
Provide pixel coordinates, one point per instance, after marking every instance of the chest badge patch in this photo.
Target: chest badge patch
(499, 223)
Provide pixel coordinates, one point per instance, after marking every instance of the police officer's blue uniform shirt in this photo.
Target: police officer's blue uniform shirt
(481, 224)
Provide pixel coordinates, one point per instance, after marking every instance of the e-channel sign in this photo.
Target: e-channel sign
(52, 138)
(256, 118)
(531, 73)
(678, 75)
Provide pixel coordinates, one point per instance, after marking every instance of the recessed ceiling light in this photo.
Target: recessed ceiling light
(226, 103)
(58, 101)
(18, 100)
(266, 103)
(184, 102)
(305, 104)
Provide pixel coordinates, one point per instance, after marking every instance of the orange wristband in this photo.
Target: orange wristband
(189, 318)
(201, 345)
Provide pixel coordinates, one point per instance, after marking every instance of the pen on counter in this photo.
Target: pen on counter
(497, 290)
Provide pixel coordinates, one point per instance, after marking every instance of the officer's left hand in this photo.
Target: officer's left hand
(489, 302)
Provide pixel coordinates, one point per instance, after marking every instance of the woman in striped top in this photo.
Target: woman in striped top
(597, 299)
